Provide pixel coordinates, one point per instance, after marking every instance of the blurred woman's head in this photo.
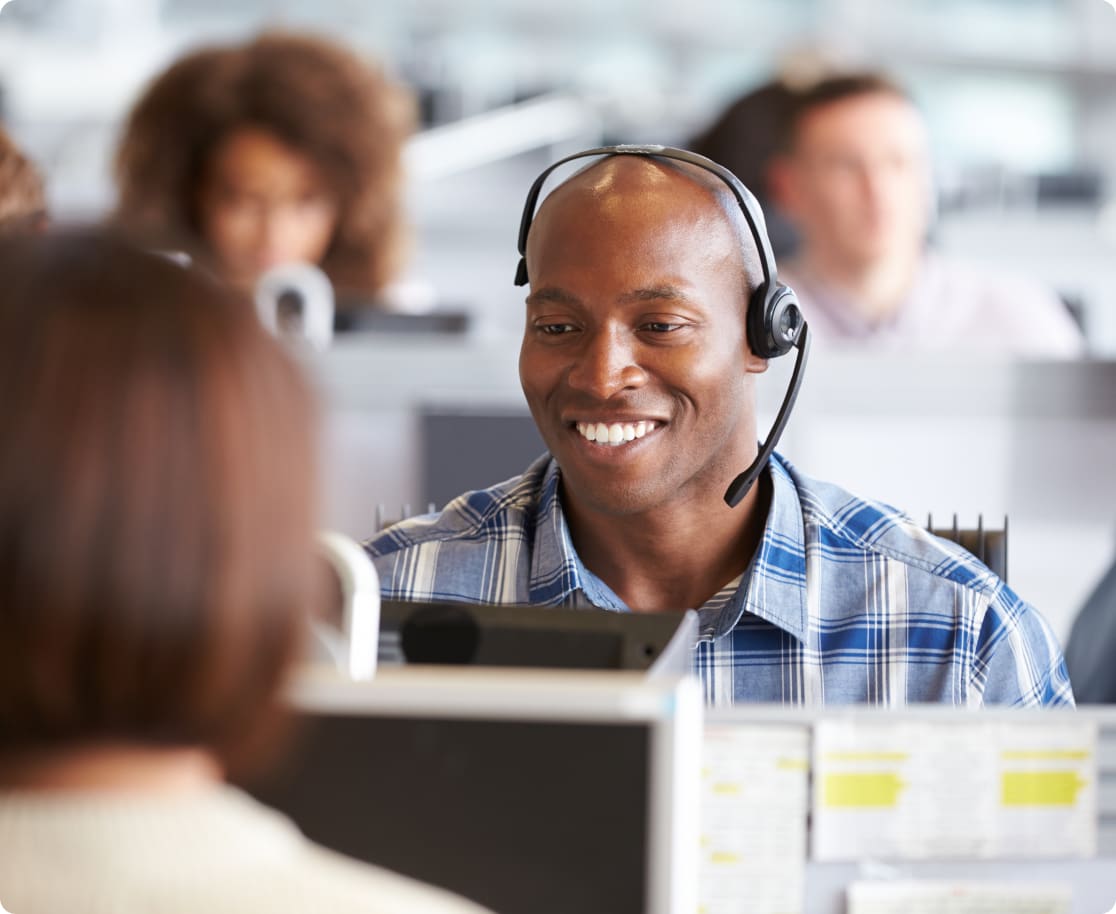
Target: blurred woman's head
(156, 502)
(288, 148)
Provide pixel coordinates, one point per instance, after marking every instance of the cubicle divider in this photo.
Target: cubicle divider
(892, 811)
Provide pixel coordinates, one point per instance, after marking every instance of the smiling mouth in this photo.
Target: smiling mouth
(616, 433)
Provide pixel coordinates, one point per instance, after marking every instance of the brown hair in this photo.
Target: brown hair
(156, 506)
(829, 90)
(316, 97)
(22, 201)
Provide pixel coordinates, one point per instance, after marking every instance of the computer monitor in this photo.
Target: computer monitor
(528, 791)
(536, 636)
(466, 447)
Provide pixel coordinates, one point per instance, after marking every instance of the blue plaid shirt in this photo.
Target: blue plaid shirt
(846, 600)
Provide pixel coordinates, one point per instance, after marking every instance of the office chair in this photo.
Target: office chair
(346, 636)
(988, 545)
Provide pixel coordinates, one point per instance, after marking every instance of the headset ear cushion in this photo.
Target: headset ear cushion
(774, 321)
(786, 319)
(757, 324)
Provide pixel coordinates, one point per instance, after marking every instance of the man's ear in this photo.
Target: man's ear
(753, 364)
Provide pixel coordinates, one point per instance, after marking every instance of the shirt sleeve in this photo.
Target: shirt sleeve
(1018, 661)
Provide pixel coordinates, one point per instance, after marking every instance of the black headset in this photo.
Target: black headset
(774, 322)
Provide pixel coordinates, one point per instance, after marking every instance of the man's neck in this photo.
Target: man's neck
(675, 558)
(874, 290)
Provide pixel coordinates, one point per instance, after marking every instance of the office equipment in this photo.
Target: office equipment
(295, 302)
(379, 321)
(536, 636)
(989, 545)
(531, 792)
(469, 447)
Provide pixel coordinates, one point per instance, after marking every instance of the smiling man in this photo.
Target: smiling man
(637, 365)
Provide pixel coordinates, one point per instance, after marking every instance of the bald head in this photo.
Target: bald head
(658, 192)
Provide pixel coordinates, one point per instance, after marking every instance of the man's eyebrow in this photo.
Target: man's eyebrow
(656, 293)
(550, 295)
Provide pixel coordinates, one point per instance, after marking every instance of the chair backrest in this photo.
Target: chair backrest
(987, 544)
(346, 635)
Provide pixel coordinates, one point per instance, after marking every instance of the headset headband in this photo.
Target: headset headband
(749, 205)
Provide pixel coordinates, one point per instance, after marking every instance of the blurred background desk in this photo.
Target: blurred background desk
(1032, 440)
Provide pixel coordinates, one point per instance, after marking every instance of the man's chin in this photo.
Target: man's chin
(617, 499)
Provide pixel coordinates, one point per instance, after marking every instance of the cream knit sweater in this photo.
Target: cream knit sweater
(218, 852)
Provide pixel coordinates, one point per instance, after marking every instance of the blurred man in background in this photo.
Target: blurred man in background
(22, 199)
(853, 176)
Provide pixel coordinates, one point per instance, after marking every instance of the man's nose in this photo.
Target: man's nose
(606, 364)
(881, 179)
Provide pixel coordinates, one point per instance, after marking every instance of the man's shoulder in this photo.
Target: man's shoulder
(1011, 651)
(842, 525)
(480, 516)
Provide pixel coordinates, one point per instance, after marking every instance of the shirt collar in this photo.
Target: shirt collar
(556, 570)
(774, 588)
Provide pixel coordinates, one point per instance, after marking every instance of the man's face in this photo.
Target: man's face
(856, 183)
(634, 359)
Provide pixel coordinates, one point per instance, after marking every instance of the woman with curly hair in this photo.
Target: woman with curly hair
(286, 148)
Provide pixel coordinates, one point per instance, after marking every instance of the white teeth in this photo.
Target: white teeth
(615, 434)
